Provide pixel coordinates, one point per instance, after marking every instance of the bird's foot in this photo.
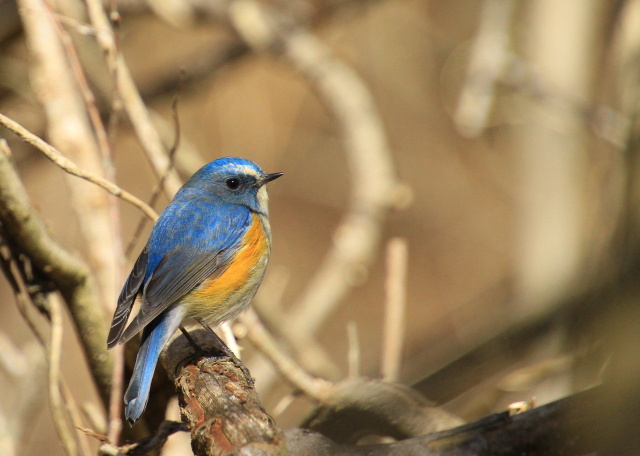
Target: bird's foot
(227, 352)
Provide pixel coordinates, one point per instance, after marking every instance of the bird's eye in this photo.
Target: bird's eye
(232, 183)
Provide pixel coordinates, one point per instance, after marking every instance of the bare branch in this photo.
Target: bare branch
(57, 406)
(257, 334)
(561, 428)
(229, 339)
(114, 426)
(69, 129)
(67, 165)
(83, 84)
(69, 274)
(218, 402)
(487, 63)
(158, 188)
(394, 321)
(359, 408)
(225, 418)
(136, 110)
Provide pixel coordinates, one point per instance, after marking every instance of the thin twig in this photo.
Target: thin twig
(55, 156)
(257, 334)
(95, 417)
(114, 421)
(110, 53)
(395, 305)
(83, 85)
(55, 398)
(75, 416)
(226, 334)
(136, 110)
(110, 450)
(284, 403)
(268, 303)
(158, 188)
(487, 63)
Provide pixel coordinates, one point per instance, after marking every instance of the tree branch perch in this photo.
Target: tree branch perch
(70, 275)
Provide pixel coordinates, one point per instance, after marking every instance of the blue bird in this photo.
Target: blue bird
(204, 260)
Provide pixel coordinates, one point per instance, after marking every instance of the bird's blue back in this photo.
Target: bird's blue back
(199, 224)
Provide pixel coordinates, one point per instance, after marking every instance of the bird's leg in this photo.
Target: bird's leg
(192, 342)
(226, 351)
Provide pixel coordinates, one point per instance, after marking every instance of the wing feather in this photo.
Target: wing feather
(187, 245)
(164, 289)
(127, 297)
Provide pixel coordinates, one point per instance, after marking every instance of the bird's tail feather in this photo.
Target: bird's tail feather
(154, 338)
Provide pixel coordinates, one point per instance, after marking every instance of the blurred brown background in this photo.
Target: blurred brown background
(511, 126)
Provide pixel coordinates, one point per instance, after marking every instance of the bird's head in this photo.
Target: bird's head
(234, 180)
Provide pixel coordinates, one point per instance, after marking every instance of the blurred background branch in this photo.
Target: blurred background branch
(23, 230)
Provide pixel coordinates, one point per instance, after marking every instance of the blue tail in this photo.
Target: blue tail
(154, 337)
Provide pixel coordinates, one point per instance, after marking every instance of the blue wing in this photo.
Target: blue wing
(189, 242)
(127, 297)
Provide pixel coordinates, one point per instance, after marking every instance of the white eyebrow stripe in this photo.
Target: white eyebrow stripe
(250, 171)
(245, 170)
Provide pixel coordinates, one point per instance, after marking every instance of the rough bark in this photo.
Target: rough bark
(221, 408)
(219, 403)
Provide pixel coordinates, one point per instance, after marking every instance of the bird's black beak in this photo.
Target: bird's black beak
(269, 177)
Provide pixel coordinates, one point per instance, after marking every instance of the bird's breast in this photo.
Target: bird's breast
(225, 294)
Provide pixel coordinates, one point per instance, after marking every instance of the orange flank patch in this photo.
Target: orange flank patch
(239, 271)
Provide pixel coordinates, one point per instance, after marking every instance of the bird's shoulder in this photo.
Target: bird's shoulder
(197, 227)
(201, 215)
